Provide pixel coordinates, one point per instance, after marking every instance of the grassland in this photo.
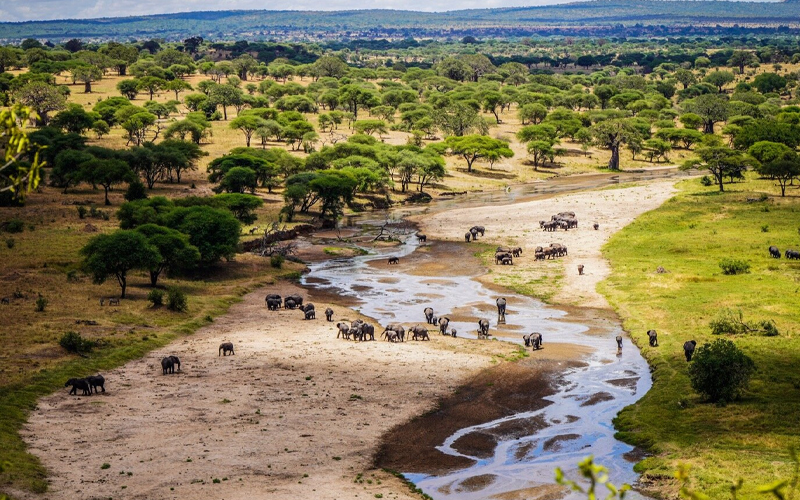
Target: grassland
(688, 236)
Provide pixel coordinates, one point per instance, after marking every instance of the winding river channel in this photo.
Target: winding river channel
(577, 423)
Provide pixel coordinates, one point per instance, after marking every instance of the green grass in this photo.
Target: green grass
(689, 235)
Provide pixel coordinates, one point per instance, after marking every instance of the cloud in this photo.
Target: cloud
(26, 10)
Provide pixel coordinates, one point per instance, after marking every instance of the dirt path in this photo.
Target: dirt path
(518, 225)
(295, 413)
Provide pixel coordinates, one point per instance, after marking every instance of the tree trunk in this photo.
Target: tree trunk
(613, 162)
(708, 127)
(123, 283)
(106, 189)
(154, 277)
(122, 69)
(87, 87)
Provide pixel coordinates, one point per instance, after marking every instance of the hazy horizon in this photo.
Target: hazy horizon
(52, 10)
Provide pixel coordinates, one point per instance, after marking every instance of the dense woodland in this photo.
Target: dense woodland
(195, 143)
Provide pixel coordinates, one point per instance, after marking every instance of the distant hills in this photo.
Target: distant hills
(591, 17)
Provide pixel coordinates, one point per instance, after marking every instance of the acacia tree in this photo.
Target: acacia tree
(459, 119)
(87, 75)
(41, 98)
(174, 249)
(719, 161)
(248, 124)
(611, 135)
(473, 147)
(710, 108)
(177, 85)
(782, 170)
(107, 173)
(117, 253)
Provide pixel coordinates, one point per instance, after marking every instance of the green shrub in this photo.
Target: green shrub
(156, 296)
(14, 226)
(765, 228)
(136, 191)
(73, 342)
(734, 266)
(10, 242)
(728, 322)
(706, 181)
(41, 303)
(72, 275)
(720, 371)
(82, 211)
(276, 261)
(176, 300)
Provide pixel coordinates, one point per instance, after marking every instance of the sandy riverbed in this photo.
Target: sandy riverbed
(296, 413)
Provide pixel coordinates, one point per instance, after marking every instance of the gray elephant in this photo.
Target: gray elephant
(395, 328)
(453, 332)
(273, 297)
(289, 303)
(367, 330)
(443, 322)
(394, 260)
(533, 340)
(96, 381)
(421, 238)
(774, 252)
(310, 314)
(467, 236)
(419, 333)
(273, 304)
(167, 365)
(501, 310)
(483, 328)
(79, 383)
(429, 314)
(619, 342)
(177, 362)
(479, 229)
(225, 348)
(344, 330)
(329, 314)
(653, 336)
(688, 349)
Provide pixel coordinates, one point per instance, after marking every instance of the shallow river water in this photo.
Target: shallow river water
(587, 399)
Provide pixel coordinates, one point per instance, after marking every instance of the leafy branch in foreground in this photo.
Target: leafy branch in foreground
(15, 175)
(597, 476)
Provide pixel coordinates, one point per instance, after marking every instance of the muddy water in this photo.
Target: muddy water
(577, 423)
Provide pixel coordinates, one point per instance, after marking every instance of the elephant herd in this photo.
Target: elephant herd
(473, 233)
(790, 254)
(688, 346)
(86, 384)
(562, 220)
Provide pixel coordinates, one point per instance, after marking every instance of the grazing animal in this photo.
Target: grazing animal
(289, 303)
(176, 361)
(580, 269)
(429, 315)
(96, 381)
(507, 261)
(516, 251)
(478, 229)
(329, 314)
(298, 300)
(443, 322)
(272, 298)
(619, 343)
(501, 257)
(391, 336)
(394, 260)
(793, 254)
(79, 383)
(344, 330)
(653, 336)
(167, 366)
(310, 314)
(688, 349)
(273, 304)
(421, 238)
(501, 310)
(474, 233)
(5, 300)
(367, 330)
(453, 332)
(536, 341)
(774, 252)
(596, 226)
(467, 236)
(483, 328)
(419, 333)
(113, 302)
(225, 348)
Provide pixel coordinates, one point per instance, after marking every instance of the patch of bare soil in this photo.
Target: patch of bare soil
(482, 443)
(598, 397)
(554, 443)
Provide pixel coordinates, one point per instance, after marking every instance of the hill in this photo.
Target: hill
(622, 17)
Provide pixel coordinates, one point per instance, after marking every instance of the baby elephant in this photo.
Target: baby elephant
(225, 348)
(329, 314)
(394, 260)
(167, 365)
(580, 269)
(79, 383)
(653, 336)
(453, 332)
(96, 381)
(596, 226)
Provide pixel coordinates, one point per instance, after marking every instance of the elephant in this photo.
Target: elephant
(533, 340)
(307, 307)
(474, 233)
(516, 251)
(792, 254)
(503, 250)
(500, 257)
(274, 304)
(507, 261)
(560, 249)
(329, 314)
(79, 383)
(310, 314)
(481, 230)
(344, 330)
(435, 320)
(176, 362)
(467, 236)
(483, 328)
(443, 322)
(5, 300)
(774, 252)
(653, 336)
(596, 226)
(96, 381)
(421, 238)
(225, 348)
(391, 337)
(273, 297)
(395, 328)
(619, 342)
(688, 349)
(298, 300)
(167, 366)
(580, 269)
(539, 255)
(453, 332)
(113, 301)
(419, 333)
(550, 226)
(394, 260)
(367, 330)
(429, 315)
(501, 310)
(289, 303)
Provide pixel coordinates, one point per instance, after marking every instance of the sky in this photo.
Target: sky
(26, 10)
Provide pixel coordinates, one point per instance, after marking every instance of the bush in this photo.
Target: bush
(720, 371)
(734, 266)
(82, 211)
(765, 228)
(176, 300)
(136, 191)
(728, 322)
(10, 242)
(706, 181)
(156, 296)
(73, 342)
(276, 261)
(41, 303)
(14, 226)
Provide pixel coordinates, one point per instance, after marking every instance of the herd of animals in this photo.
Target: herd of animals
(359, 330)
